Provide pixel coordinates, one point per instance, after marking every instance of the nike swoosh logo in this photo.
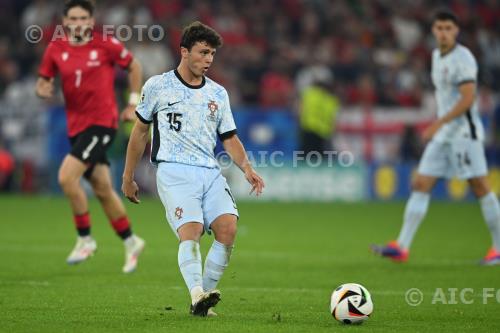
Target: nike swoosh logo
(170, 104)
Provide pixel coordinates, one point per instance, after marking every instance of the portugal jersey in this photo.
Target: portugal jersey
(449, 71)
(87, 75)
(186, 119)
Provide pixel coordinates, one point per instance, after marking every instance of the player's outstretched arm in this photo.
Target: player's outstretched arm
(467, 95)
(44, 87)
(235, 149)
(136, 145)
(134, 85)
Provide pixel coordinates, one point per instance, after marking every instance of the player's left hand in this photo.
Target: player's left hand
(128, 113)
(431, 130)
(255, 180)
(131, 190)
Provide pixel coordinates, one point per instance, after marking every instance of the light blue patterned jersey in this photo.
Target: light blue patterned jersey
(186, 119)
(449, 71)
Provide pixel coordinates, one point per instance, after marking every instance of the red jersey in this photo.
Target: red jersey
(87, 75)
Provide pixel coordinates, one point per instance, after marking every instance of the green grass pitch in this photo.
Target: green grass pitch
(287, 260)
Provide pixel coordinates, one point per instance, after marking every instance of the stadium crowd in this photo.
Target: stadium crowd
(377, 52)
(373, 52)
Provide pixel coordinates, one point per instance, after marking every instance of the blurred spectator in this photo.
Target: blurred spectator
(369, 43)
(310, 74)
(39, 12)
(276, 87)
(155, 58)
(407, 30)
(6, 169)
(364, 93)
(378, 53)
(318, 110)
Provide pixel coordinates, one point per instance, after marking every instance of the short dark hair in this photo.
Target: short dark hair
(199, 32)
(88, 5)
(445, 15)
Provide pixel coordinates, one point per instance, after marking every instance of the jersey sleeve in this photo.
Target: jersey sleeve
(226, 127)
(118, 53)
(147, 105)
(48, 67)
(465, 70)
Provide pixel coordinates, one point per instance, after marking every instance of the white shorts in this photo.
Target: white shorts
(193, 194)
(462, 159)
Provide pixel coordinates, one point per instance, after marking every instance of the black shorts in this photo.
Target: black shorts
(91, 145)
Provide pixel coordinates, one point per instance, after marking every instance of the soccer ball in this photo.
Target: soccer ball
(351, 303)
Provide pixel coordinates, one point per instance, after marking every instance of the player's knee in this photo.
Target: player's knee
(66, 182)
(417, 185)
(226, 230)
(479, 187)
(230, 230)
(190, 231)
(102, 190)
(420, 185)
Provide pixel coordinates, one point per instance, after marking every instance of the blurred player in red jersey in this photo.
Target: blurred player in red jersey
(85, 61)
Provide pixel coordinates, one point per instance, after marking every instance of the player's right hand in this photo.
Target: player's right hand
(45, 88)
(131, 190)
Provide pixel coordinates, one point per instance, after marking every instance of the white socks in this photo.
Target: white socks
(415, 211)
(216, 262)
(491, 213)
(189, 259)
(416, 208)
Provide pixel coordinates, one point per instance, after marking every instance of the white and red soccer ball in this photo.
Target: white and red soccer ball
(351, 303)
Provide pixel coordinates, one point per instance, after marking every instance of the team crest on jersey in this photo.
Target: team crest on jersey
(93, 61)
(212, 107)
(93, 55)
(178, 213)
(65, 56)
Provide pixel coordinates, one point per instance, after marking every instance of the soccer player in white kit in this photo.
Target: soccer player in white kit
(455, 147)
(188, 112)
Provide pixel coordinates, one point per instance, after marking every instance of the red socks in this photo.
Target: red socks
(122, 227)
(82, 223)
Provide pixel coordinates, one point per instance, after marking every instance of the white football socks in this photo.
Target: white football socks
(189, 259)
(491, 213)
(415, 211)
(216, 262)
